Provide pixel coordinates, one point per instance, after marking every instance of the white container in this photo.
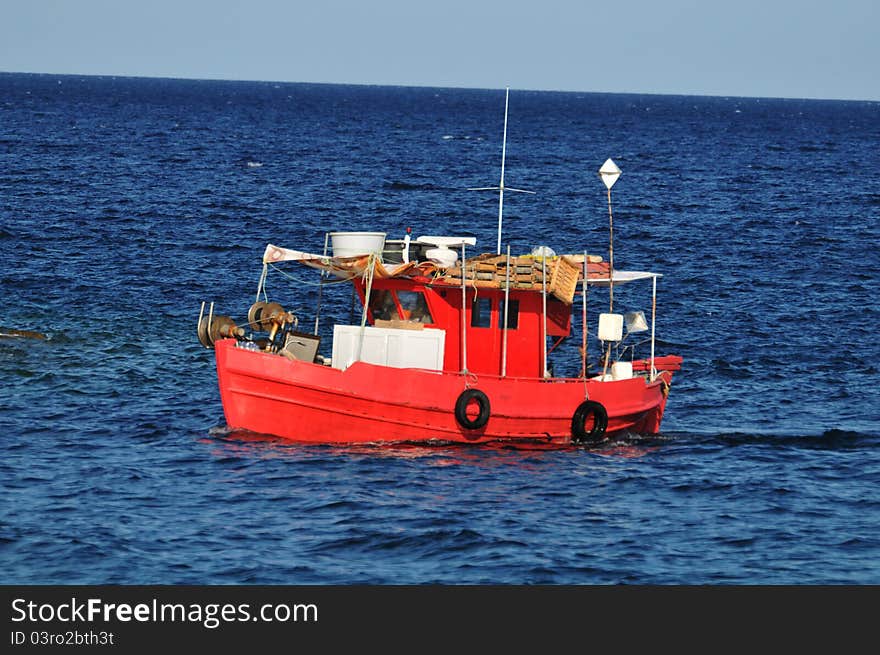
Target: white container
(610, 327)
(443, 257)
(389, 347)
(355, 244)
(621, 370)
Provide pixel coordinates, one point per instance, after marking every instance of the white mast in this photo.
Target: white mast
(609, 173)
(503, 159)
(464, 368)
(500, 188)
(506, 312)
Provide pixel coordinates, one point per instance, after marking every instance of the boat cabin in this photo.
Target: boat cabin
(401, 303)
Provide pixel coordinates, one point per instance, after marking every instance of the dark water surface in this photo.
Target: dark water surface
(126, 202)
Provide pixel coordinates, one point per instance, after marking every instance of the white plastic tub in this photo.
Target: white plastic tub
(354, 244)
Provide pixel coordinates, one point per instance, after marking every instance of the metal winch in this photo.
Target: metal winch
(262, 316)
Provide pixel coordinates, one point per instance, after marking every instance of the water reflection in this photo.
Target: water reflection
(242, 443)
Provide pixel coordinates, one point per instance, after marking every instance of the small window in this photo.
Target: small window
(512, 315)
(382, 305)
(414, 306)
(481, 312)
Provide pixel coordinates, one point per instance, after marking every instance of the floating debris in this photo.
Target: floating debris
(21, 334)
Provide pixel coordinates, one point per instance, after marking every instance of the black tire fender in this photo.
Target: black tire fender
(464, 399)
(583, 412)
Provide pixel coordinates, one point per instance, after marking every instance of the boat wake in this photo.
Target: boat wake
(397, 185)
(832, 439)
(620, 444)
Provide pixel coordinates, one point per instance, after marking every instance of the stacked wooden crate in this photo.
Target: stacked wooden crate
(527, 272)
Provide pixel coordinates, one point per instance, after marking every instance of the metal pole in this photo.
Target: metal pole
(610, 256)
(321, 286)
(262, 282)
(199, 324)
(610, 276)
(501, 186)
(653, 321)
(506, 310)
(371, 263)
(463, 312)
(584, 319)
(544, 303)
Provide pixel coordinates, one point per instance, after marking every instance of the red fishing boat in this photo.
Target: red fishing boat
(448, 348)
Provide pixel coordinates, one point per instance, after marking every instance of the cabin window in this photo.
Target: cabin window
(382, 305)
(414, 306)
(512, 315)
(481, 312)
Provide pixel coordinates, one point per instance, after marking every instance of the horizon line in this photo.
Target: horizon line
(434, 86)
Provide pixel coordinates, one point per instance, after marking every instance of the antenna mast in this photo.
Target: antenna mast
(500, 188)
(503, 158)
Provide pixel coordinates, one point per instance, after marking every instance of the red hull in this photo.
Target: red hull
(366, 403)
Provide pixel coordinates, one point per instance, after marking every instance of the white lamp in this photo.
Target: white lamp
(635, 322)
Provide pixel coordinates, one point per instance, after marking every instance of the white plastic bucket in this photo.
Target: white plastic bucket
(354, 244)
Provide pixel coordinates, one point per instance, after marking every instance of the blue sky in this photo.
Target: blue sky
(776, 48)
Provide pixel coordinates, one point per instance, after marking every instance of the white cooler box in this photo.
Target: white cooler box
(399, 348)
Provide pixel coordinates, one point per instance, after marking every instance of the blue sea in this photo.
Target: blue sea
(124, 203)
